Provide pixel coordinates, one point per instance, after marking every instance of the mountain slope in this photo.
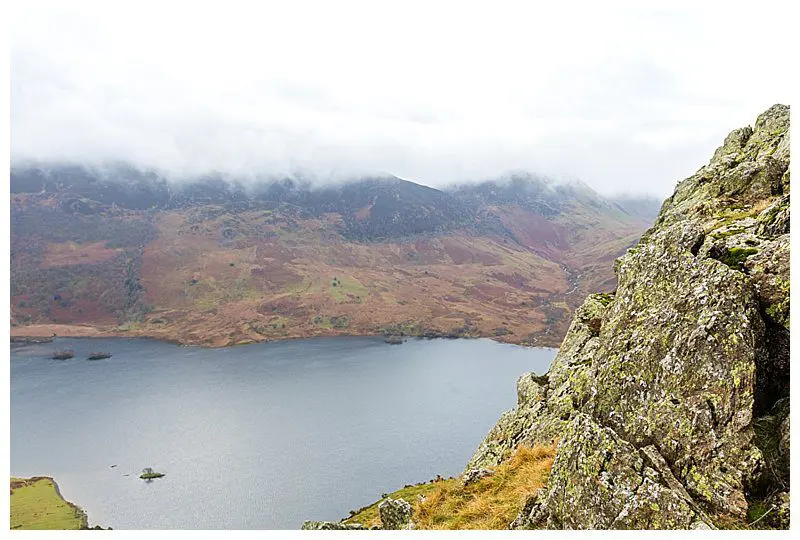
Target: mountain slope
(214, 261)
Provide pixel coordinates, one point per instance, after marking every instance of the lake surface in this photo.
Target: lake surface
(255, 437)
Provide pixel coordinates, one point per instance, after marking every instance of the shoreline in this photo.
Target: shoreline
(44, 333)
(78, 510)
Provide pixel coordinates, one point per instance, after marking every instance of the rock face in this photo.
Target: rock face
(772, 437)
(778, 513)
(655, 392)
(471, 476)
(395, 514)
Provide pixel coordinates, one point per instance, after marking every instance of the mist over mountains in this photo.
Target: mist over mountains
(397, 207)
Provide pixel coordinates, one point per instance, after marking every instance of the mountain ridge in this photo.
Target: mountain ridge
(366, 255)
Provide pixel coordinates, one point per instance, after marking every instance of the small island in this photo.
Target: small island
(149, 474)
(63, 355)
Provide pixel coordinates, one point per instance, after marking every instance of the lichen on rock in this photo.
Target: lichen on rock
(772, 438)
(600, 481)
(546, 404)
(778, 510)
(471, 476)
(656, 389)
(395, 514)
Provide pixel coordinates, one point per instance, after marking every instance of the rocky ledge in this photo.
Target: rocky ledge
(669, 397)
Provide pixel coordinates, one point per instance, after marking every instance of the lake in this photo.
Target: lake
(253, 437)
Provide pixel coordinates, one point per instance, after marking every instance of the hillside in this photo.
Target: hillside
(36, 503)
(669, 397)
(219, 261)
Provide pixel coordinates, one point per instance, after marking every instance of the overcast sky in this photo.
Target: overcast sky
(627, 99)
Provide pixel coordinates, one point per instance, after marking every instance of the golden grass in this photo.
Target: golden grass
(369, 517)
(36, 504)
(490, 503)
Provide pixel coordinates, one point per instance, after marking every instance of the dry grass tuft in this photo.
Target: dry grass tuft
(491, 502)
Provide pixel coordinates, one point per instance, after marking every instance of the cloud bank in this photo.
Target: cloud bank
(626, 98)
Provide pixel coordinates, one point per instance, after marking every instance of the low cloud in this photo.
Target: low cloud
(626, 99)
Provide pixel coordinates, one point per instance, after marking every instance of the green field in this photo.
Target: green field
(36, 504)
(348, 289)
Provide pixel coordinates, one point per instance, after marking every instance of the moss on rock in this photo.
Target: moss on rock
(674, 360)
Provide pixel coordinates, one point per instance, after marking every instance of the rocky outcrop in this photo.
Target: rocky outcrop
(330, 526)
(545, 404)
(777, 514)
(772, 437)
(617, 486)
(655, 392)
(471, 476)
(395, 514)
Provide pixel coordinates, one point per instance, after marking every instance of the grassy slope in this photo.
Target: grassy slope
(490, 503)
(273, 279)
(37, 504)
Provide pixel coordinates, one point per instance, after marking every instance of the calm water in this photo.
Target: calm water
(255, 437)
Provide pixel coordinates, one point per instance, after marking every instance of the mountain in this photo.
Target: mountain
(643, 206)
(213, 260)
(667, 405)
